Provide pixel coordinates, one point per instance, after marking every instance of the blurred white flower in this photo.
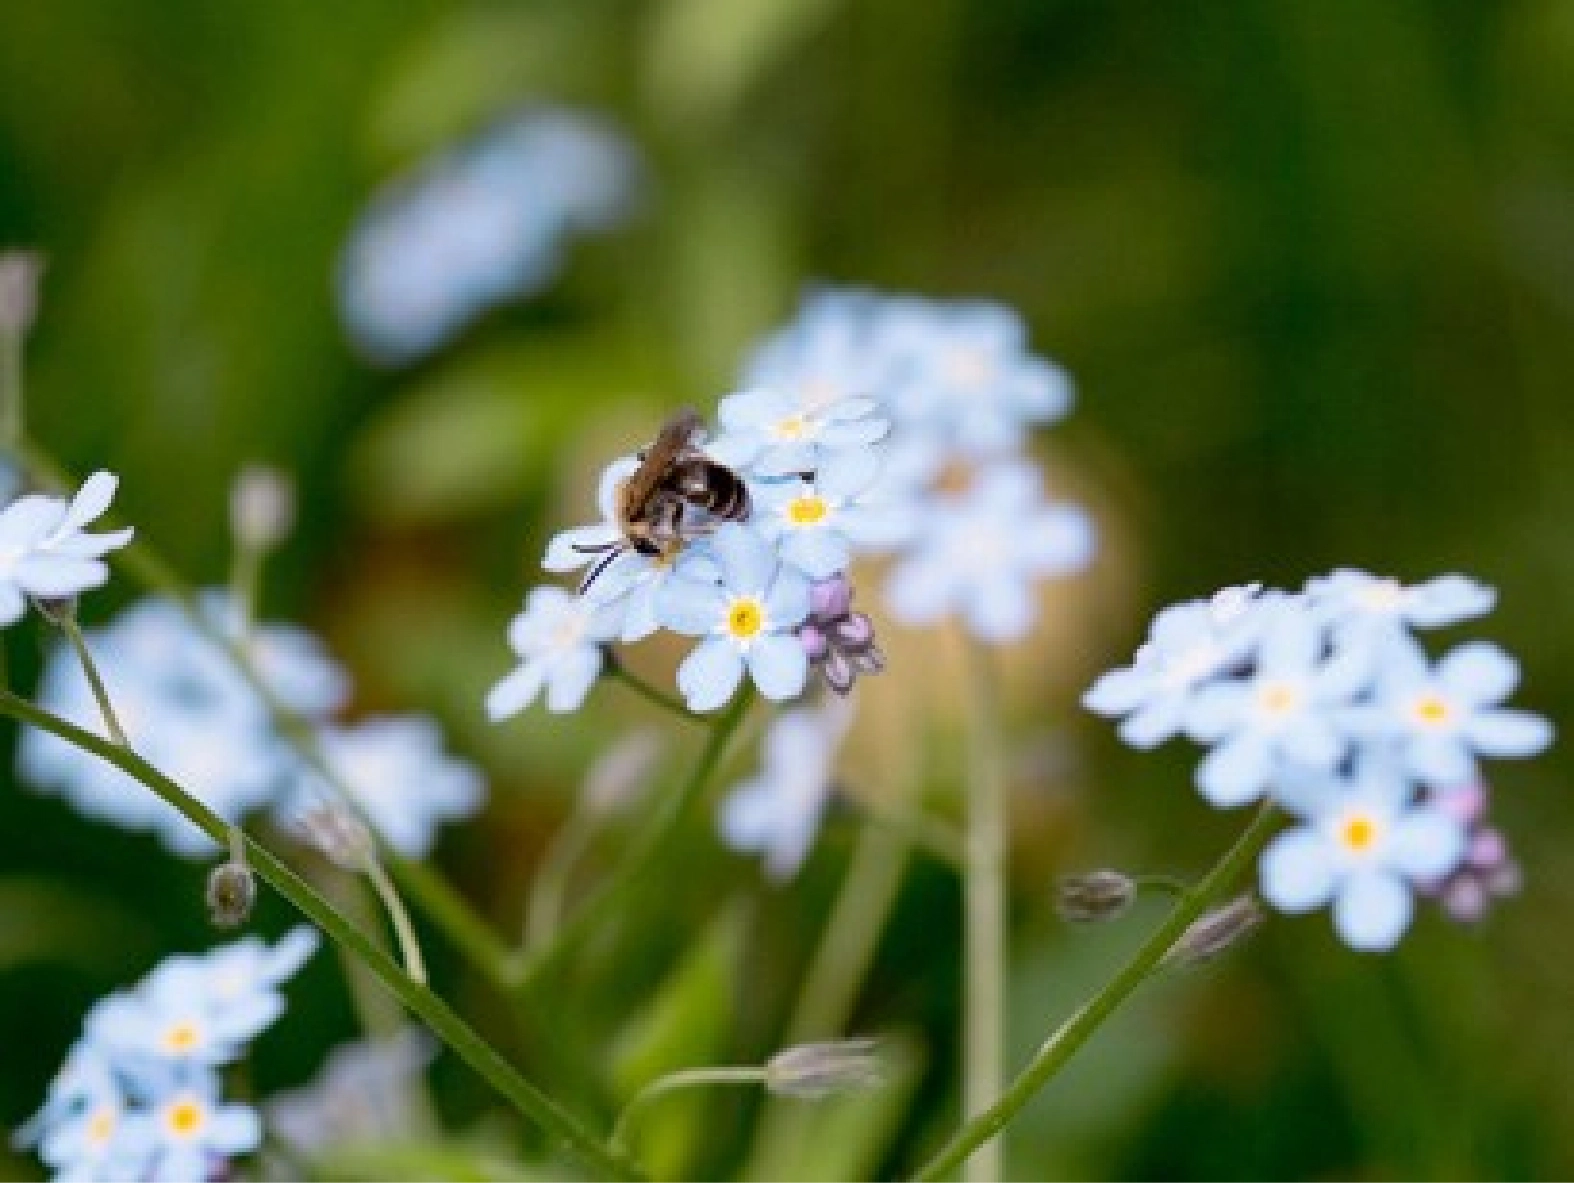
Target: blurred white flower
(558, 639)
(45, 550)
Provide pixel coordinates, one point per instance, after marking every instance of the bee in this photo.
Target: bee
(673, 477)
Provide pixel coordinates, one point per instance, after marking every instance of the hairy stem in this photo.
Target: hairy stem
(984, 907)
(73, 631)
(667, 702)
(530, 1101)
(1064, 1043)
(688, 1078)
(399, 918)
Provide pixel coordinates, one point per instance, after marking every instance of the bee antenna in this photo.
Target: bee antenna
(613, 551)
(596, 549)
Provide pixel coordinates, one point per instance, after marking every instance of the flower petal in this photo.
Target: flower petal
(1508, 733)
(1372, 911)
(747, 561)
(779, 666)
(1479, 672)
(515, 692)
(1235, 772)
(571, 677)
(688, 606)
(1426, 844)
(710, 674)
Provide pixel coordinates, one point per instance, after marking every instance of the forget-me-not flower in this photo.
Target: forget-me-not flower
(771, 432)
(1354, 597)
(981, 553)
(1363, 848)
(186, 710)
(45, 549)
(1188, 644)
(746, 615)
(189, 1132)
(405, 784)
(777, 812)
(1443, 717)
(818, 523)
(478, 225)
(558, 639)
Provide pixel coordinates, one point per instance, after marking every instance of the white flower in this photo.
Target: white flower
(189, 1128)
(558, 638)
(45, 550)
(746, 614)
(981, 552)
(399, 775)
(186, 710)
(777, 812)
(1363, 847)
(818, 524)
(775, 432)
(81, 1131)
(1352, 597)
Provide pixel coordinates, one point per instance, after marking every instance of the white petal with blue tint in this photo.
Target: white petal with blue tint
(710, 674)
(1372, 911)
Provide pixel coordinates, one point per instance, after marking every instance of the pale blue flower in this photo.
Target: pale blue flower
(981, 553)
(367, 1092)
(198, 1010)
(189, 1132)
(962, 372)
(746, 613)
(479, 225)
(1353, 597)
(818, 524)
(558, 639)
(825, 356)
(1188, 645)
(186, 710)
(1363, 847)
(402, 780)
(1287, 711)
(45, 550)
(1443, 717)
(139, 1094)
(771, 432)
(777, 812)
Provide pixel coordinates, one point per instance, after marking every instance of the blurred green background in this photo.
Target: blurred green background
(1312, 266)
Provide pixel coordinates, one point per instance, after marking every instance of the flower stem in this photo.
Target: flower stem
(686, 1079)
(448, 1026)
(12, 407)
(984, 910)
(645, 856)
(404, 931)
(1066, 1040)
(667, 702)
(68, 624)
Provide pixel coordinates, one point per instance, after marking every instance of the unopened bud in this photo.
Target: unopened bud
(622, 773)
(1214, 932)
(1094, 897)
(338, 834)
(19, 275)
(814, 1070)
(262, 507)
(232, 888)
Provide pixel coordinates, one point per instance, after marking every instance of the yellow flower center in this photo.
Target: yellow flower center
(101, 1126)
(791, 428)
(1358, 833)
(182, 1037)
(745, 618)
(185, 1118)
(1278, 698)
(1432, 710)
(807, 510)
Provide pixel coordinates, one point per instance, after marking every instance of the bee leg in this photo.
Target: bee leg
(605, 561)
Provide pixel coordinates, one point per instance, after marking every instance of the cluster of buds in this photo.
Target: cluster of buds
(839, 641)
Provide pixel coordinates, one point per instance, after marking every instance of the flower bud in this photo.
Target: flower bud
(622, 774)
(1216, 931)
(1094, 897)
(19, 275)
(814, 1070)
(232, 890)
(332, 829)
(262, 507)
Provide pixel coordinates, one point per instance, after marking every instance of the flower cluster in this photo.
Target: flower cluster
(870, 426)
(140, 1095)
(188, 711)
(481, 224)
(46, 552)
(1325, 702)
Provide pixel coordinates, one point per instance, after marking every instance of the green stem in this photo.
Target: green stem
(73, 632)
(644, 857)
(936, 838)
(667, 702)
(448, 1026)
(404, 931)
(689, 1078)
(984, 907)
(1065, 1042)
(12, 407)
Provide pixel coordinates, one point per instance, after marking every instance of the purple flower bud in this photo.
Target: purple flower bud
(830, 598)
(853, 632)
(815, 643)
